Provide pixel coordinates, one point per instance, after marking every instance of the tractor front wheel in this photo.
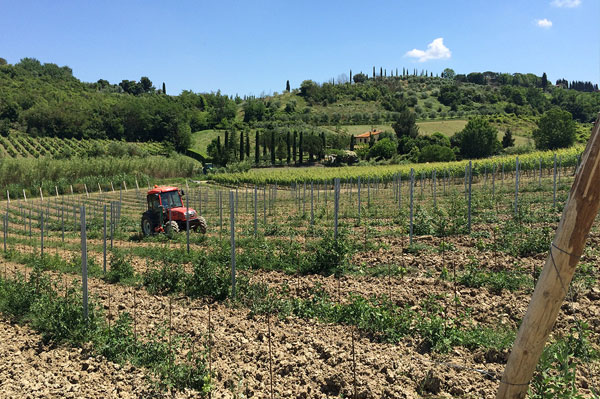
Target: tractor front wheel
(201, 226)
(171, 227)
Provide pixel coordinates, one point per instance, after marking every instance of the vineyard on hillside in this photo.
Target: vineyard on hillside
(385, 173)
(26, 146)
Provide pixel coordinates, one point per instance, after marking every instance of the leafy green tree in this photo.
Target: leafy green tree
(254, 110)
(448, 73)
(131, 87)
(309, 89)
(507, 139)
(478, 139)
(312, 144)
(360, 78)
(146, 85)
(3, 61)
(383, 149)
(281, 150)
(405, 124)
(436, 153)
(556, 129)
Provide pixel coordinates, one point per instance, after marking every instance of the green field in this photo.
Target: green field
(201, 140)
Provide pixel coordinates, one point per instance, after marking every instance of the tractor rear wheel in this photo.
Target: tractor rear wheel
(147, 227)
(201, 226)
(171, 227)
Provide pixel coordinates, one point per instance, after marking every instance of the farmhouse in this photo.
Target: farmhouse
(364, 138)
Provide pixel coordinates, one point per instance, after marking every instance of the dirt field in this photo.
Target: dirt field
(307, 357)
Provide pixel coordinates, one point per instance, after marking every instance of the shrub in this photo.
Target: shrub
(209, 279)
(164, 280)
(330, 255)
(436, 153)
(383, 149)
(120, 268)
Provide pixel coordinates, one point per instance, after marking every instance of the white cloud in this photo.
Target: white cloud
(435, 51)
(566, 3)
(543, 23)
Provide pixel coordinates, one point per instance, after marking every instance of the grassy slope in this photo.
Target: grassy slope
(201, 140)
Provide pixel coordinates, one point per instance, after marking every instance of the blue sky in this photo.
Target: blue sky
(253, 47)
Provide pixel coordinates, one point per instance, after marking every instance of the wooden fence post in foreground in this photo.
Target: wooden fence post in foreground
(576, 221)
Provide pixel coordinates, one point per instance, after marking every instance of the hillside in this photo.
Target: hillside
(41, 102)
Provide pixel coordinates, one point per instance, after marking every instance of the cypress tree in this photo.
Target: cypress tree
(257, 148)
(351, 76)
(352, 140)
(242, 153)
(380, 72)
(287, 86)
(544, 80)
(265, 145)
(323, 145)
(373, 72)
(164, 88)
(294, 146)
(248, 145)
(273, 147)
(226, 144)
(300, 149)
(219, 151)
(289, 151)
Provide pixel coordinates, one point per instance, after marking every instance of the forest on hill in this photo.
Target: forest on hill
(47, 100)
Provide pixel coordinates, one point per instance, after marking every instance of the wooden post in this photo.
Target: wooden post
(577, 218)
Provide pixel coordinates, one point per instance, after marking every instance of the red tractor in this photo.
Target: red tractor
(166, 213)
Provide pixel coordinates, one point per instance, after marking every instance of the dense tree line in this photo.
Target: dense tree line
(275, 143)
(480, 92)
(577, 85)
(47, 100)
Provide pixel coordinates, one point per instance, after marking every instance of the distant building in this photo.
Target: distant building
(364, 138)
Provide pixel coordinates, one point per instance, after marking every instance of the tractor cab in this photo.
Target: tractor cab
(165, 197)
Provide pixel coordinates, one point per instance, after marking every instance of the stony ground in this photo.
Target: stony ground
(29, 369)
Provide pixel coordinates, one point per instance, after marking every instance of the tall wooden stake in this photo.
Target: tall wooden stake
(577, 218)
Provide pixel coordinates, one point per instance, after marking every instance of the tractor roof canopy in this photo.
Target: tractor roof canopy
(162, 189)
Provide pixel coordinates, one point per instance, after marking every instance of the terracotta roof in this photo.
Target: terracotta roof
(368, 134)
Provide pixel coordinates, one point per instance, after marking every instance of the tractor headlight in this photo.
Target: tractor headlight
(191, 214)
